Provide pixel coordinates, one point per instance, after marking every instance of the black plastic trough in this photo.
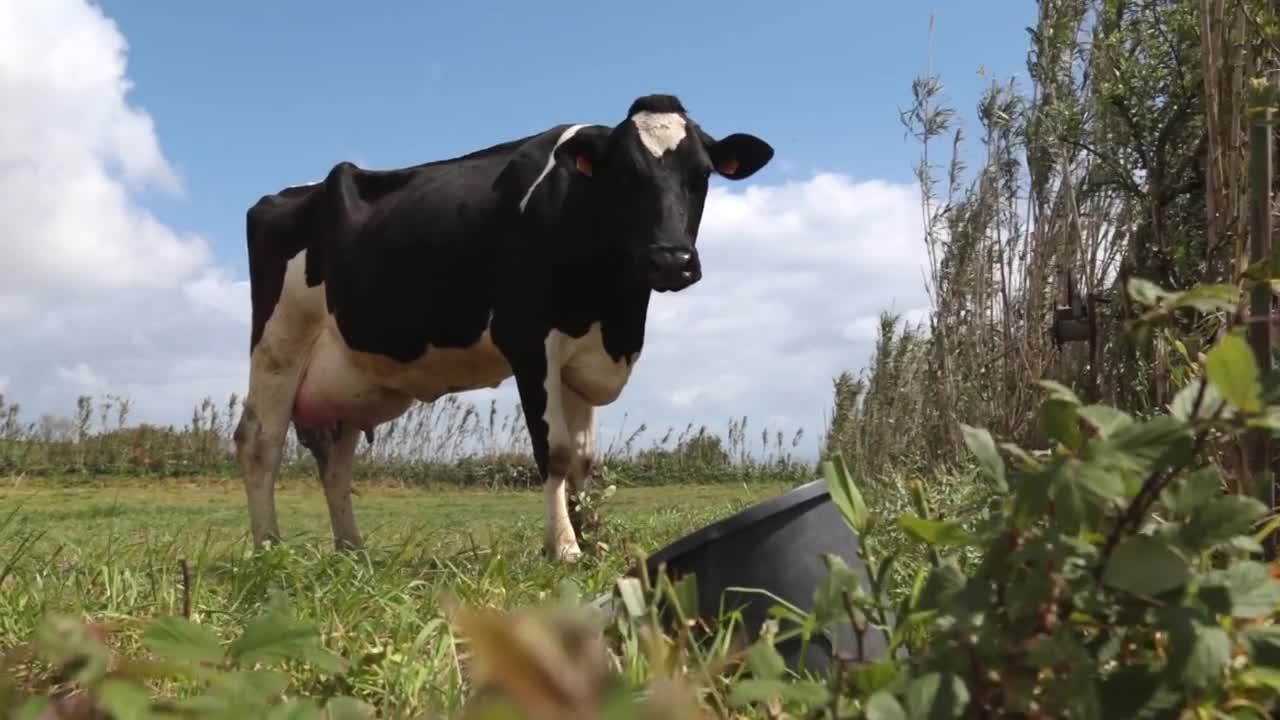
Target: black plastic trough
(776, 546)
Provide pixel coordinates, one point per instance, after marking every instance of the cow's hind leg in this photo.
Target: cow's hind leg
(335, 458)
(260, 437)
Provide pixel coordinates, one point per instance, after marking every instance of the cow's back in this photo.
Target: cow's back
(421, 269)
(404, 259)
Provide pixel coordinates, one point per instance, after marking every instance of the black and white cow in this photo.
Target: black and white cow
(534, 258)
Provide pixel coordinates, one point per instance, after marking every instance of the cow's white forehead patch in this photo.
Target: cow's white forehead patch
(660, 132)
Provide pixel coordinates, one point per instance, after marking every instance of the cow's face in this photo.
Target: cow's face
(650, 182)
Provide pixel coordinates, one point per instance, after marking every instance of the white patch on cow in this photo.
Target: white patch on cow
(305, 184)
(559, 537)
(588, 369)
(366, 389)
(551, 162)
(580, 376)
(660, 132)
(275, 369)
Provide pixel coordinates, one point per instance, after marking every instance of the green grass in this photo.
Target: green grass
(111, 553)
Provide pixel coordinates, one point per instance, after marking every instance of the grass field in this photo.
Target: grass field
(111, 553)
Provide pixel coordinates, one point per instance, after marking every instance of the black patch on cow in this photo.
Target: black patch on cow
(430, 255)
(657, 104)
(314, 218)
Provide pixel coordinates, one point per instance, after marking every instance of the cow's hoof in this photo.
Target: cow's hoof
(564, 553)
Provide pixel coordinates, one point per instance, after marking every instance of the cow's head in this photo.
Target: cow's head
(649, 178)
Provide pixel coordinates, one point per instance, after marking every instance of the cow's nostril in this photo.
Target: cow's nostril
(669, 260)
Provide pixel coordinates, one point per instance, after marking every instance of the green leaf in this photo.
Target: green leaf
(983, 448)
(1068, 505)
(1232, 368)
(1146, 292)
(1268, 420)
(1058, 422)
(845, 494)
(1260, 677)
(1021, 457)
(1244, 590)
(299, 709)
(632, 593)
(944, 581)
(1193, 490)
(345, 708)
(1161, 440)
(1208, 298)
(177, 638)
(828, 597)
(685, 593)
(935, 532)
(1105, 419)
(1135, 691)
(1263, 644)
(260, 684)
(1106, 483)
(1213, 403)
(1058, 391)
(1219, 520)
(34, 709)
(1145, 566)
(885, 567)
(935, 696)
(807, 692)
(871, 678)
(324, 660)
(272, 638)
(208, 705)
(764, 660)
(1198, 650)
(125, 700)
(753, 690)
(883, 706)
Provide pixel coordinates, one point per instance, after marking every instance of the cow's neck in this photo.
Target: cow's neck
(622, 323)
(602, 289)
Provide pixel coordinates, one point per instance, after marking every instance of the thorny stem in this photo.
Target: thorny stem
(1154, 484)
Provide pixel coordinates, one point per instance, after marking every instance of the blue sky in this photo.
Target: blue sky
(135, 138)
(248, 97)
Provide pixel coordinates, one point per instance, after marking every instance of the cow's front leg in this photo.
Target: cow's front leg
(542, 395)
(580, 421)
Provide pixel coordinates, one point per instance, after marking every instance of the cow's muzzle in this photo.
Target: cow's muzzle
(672, 269)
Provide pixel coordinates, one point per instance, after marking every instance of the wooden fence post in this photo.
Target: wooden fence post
(1261, 176)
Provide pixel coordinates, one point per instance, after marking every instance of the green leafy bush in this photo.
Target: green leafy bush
(243, 678)
(1115, 578)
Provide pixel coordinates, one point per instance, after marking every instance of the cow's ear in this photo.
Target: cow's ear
(739, 156)
(584, 150)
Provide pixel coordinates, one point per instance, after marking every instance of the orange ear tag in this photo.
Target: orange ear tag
(584, 165)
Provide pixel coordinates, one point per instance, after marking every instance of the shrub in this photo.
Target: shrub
(1113, 577)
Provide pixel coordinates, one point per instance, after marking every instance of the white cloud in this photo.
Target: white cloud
(71, 149)
(867, 327)
(81, 377)
(787, 269)
(215, 289)
(97, 295)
